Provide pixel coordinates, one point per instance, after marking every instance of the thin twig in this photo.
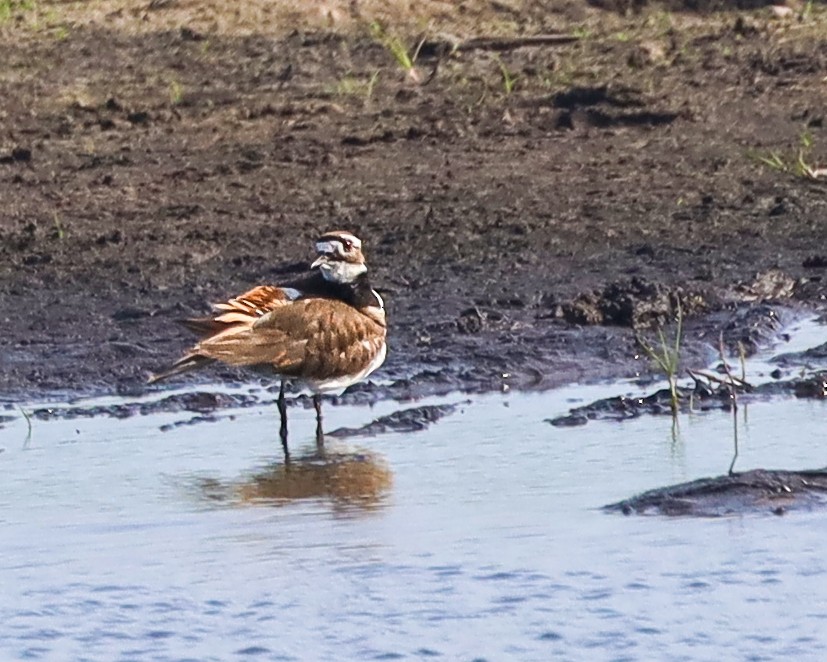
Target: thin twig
(734, 397)
(28, 418)
(742, 355)
(712, 377)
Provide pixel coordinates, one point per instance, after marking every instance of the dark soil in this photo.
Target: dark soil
(517, 235)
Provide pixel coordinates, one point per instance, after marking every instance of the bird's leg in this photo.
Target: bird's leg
(282, 405)
(317, 403)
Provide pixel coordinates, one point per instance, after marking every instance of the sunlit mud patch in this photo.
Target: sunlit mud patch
(347, 480)
(758, 491)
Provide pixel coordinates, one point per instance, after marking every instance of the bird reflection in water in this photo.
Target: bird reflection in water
(348, 479)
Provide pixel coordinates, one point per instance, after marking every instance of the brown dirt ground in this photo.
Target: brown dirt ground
(159, 155)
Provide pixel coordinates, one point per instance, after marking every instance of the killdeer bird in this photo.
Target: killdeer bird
(326, 331)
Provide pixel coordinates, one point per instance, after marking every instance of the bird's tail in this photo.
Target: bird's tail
(186, 363)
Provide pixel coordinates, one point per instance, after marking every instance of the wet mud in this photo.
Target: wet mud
(759, 491)
(810, 359)
(711, 392)
(738, 333)
(206, 407)
(404, 420)
(522, 234)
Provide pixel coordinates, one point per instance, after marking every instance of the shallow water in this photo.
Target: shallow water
(480, 537)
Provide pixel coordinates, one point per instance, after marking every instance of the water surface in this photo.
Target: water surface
(479, 538)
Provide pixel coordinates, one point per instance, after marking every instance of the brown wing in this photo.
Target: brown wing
(234, 321)
(257, 302)
(338, 339)
(318, 338)
(242, 309)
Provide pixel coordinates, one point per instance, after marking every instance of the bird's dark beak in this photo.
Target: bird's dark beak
(322, 259)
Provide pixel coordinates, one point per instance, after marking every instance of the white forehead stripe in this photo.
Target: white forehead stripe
(341, 238)
(327, 247)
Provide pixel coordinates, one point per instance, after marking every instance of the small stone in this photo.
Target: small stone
(21, 154)
(781, 11)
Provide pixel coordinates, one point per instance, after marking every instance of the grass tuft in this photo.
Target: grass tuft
(666, 356)
(176, 93)
(404, 58)
(350, 86)
(59, 231)
(8, 8)
(509, 79)
(797, 163)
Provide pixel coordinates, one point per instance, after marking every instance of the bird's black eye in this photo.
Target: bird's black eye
(347, 244)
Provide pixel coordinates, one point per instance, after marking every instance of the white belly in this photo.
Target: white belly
(341, 383)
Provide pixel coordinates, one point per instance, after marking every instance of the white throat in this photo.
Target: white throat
(342, 272)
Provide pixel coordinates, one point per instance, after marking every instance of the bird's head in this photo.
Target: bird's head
(340, 257)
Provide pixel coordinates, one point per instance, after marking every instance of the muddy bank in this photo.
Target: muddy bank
(517, 230)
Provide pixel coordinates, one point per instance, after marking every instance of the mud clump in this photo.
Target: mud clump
(476, 319)
(635, 303)
(748, 328)
(812, 358)
(406, 420)
(758, 491)
(771, 285)
(814, 387)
